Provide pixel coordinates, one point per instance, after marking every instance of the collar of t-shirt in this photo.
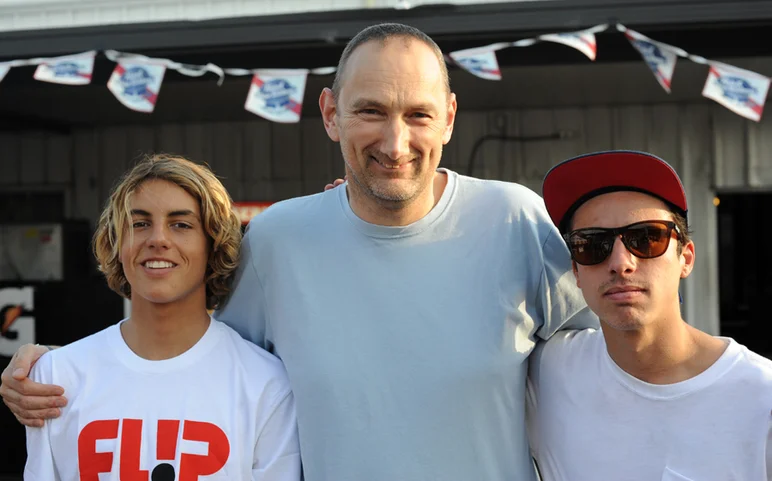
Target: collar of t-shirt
(383, 231)
(724, 363)
(132, 361)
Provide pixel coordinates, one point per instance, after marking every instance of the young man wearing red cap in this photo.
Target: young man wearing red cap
(648, 397)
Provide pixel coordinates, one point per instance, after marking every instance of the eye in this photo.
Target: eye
(181, 225)
(140, 223)
(369, 112)
(422, 115)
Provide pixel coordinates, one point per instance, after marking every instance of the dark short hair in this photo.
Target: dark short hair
(381, 33)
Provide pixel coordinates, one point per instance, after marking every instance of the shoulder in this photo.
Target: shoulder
(568, 348)
(291, 219)
(508, 193)
(511, 206)
(64, 362)
(260, 366)
(757, 368)
(290, 211)
(86, 347)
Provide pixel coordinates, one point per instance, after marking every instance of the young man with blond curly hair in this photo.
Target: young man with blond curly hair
(139, 407)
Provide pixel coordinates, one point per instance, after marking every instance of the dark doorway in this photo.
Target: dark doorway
(745, 268)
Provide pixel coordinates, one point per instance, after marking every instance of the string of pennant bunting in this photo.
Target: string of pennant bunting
(277, 94)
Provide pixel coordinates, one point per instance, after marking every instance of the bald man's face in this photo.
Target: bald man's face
(392, 117)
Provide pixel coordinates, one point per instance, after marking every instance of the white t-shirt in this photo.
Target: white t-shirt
(590, 420)
(221, 410)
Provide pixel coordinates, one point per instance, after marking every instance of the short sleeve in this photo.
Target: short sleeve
(244, 311)
(559, 300)
(40, 459)
(277, 453)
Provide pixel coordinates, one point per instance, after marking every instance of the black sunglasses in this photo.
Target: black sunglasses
(646, 240)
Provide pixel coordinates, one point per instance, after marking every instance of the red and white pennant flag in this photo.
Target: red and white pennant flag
(68, 70)
(741, 91)
(660, 57)
(277, 95)
(480, 62)
(583, 40)
(136, 84)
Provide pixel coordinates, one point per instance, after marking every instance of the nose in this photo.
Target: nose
(159, 237)
(621, 260)
(396, 139)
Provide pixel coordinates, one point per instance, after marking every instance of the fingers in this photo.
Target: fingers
(35, 418)
(23, 360)
(334, 184)
(31, 395)
(30, 402)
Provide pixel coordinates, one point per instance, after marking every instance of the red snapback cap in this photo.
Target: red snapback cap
(574, 181)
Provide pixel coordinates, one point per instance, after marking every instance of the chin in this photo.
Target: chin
(158, 297)
(393, 191)
(622, 320)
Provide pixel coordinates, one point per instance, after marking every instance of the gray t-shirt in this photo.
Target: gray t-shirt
(406, 346)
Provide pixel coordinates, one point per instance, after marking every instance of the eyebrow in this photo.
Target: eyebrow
(174, 213)
(365, 102)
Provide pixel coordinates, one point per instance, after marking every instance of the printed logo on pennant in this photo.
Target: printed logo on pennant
(479, 62)
(660, 59)
(69, 70)
(582, 41)
(137, 85)
(277, 97)
(741, 91)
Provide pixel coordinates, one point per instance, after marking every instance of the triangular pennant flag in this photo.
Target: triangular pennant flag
(481, 62)
(277, 95)
(584, 41)
(660, 58)
(69, 70)
(4, 70)
(741, 91)
(136, 85)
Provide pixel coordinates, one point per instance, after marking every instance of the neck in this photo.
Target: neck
(665, 352)
(380, 212)
(163, 331)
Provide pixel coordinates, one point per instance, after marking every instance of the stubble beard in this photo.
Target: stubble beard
(388, 193)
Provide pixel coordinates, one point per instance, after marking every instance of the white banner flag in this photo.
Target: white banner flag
(660, 58)
(69, 70)
(4, 70)
(584, 41)
(481, 62)
(277, 95)
(136, 85)
(741, 91)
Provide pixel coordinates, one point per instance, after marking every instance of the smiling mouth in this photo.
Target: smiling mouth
(158, 265)
(389, 165)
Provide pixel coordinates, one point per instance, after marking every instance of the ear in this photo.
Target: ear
(575, 268)
(450, 118)
(687, 260)
(329, 110)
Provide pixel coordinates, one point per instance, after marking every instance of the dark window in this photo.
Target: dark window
(26, 207)
(745, 269)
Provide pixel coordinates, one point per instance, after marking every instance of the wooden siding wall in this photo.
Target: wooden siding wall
(711, 148)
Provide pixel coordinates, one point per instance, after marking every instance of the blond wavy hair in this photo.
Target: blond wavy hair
(221, 225)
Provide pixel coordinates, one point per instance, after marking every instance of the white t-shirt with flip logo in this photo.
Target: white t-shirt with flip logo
(221, 410)
(590, 421)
